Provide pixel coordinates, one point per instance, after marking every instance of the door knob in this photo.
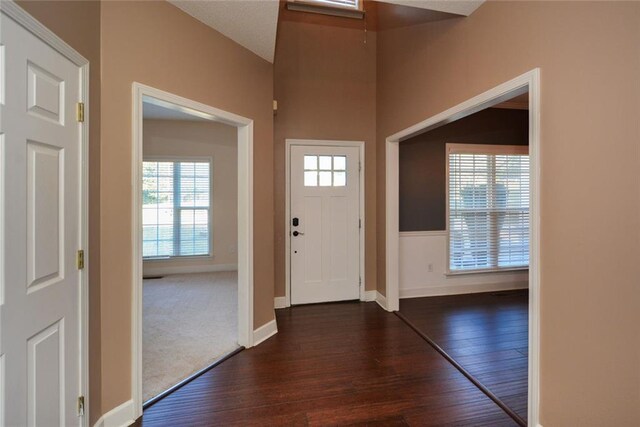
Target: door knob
(297, 233)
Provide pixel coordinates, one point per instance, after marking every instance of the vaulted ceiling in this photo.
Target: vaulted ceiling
(253, 23)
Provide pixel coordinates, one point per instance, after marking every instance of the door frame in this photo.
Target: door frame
(527, 82)
(142, 93)
(287, 220)
(31, 24)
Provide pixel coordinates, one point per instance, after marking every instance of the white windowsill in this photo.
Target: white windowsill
(178, 258)
(492, 271)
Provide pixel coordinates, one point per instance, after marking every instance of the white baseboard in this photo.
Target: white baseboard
(370, 296)
(280, 302)
(432, 291)
(159, 270)
(381, 300)
(120, 416)
(265, 332)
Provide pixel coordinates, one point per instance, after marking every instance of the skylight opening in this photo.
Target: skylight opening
(347, 4)
(343, 8)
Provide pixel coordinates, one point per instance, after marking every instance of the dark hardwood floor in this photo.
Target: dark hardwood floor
(332, 364)
(486, 333)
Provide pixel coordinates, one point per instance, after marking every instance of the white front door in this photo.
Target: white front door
(40, 223)
(324, 223)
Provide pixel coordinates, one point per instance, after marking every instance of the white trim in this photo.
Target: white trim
(432, 291)
(142, 93)
(280, 302)
(120, 416)
(35, 27)
(287, 216)
(392, 226)
(265, 332)
(382, 301)
(496, 270)
(158, 270)
(370, 296)
(423, 233)
(530, 82)
(28, 22)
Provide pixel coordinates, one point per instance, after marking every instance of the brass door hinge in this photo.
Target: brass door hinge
(80, 111)
(80, 259)
(80, 406)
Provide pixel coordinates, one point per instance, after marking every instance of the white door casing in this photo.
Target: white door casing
(42, 220)
(527, 82)
(325, 245)
(246, 334)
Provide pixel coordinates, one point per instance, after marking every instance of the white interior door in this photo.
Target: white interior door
(40, 162)
(324, 224)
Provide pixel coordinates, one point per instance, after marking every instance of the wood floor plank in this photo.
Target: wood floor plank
(331, 364)
(486, 333)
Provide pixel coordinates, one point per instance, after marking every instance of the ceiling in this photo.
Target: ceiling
(253, 23)
(456, 7)
(152, 111)
(250, 23)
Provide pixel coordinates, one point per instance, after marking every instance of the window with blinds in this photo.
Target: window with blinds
(488, 200)
(176, 208)
(344, 4)
(352, 4)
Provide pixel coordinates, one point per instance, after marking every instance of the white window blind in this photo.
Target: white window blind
(346, 4)
(176, 208)
(488, 199)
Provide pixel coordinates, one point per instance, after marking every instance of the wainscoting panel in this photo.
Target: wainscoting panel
(423, 266)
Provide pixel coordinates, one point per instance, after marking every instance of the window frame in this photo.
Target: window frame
(179, 159)
(487, 149)
(329, 4)
(332, 171)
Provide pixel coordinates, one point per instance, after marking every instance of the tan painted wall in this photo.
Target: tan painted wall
(589, 55)
(324, 80)
(156, 44)
(78, 24)
(219, 142)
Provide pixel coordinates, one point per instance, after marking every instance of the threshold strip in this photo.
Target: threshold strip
(190, 378)
(463, 371)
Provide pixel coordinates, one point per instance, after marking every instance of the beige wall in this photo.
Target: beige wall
(127, 42)
(589, 55)
(219, 142)
(78, 24)
(325, 86)
(156, 44)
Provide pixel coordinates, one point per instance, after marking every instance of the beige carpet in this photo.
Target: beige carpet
(189, 320)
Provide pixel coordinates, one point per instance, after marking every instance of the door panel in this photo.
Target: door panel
(40, 165)
(45, 94)
(325, 245)
(45, 361)
(45, 259)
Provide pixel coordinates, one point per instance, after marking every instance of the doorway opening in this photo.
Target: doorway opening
(324, 221)
(192, 241)
(472, 269)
